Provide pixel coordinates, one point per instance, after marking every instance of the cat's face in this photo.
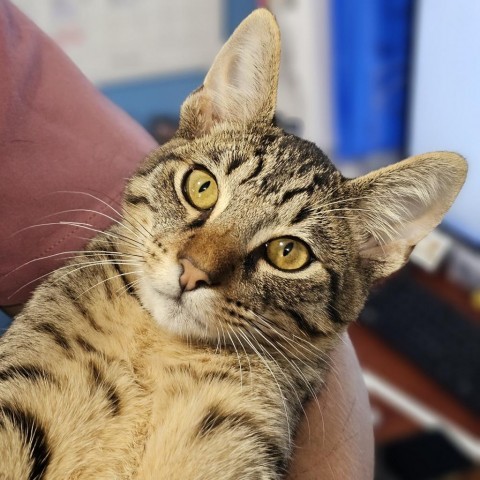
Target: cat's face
(256, 211)
(248, 232)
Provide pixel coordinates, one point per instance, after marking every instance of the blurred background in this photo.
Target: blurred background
(370, 82)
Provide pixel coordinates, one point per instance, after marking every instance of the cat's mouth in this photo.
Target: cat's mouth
(181, 298)
(175, 297)
(184, 313)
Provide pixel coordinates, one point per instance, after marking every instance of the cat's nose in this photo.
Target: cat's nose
(192, 277)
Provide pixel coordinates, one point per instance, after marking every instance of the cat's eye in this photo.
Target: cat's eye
(201, 189)
(287, 253)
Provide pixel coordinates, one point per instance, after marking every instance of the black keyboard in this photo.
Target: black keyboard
(429, 331)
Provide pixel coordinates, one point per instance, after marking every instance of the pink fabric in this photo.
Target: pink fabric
(57, 133)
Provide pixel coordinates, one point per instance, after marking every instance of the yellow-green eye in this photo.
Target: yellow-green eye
(287, 253)
(201, 189)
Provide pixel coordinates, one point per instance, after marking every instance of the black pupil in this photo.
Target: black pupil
(288, 248)
(204, 187)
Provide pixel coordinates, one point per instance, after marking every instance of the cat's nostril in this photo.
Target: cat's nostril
(192, 277)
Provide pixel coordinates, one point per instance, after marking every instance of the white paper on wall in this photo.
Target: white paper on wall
(305, 90)
(113, 40)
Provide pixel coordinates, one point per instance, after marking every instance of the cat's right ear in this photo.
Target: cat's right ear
(241, 85)
(396, 206)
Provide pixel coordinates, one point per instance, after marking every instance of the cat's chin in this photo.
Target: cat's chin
(183, 314)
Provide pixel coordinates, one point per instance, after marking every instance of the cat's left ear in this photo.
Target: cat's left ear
(241, 85)
(396, 206)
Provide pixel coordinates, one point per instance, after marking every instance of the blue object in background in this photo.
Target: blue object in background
(370, 57)
(145, 99)
(5, 321)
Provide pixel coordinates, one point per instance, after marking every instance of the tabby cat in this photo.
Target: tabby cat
(183, 342)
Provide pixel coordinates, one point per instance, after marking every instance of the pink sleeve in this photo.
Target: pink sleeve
(57, 133)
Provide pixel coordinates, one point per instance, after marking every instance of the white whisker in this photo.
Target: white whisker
(238, 356)
(78, 253)
(104, 203)
(118, 275)
(138, 234)
(282, 397)
(246, 354)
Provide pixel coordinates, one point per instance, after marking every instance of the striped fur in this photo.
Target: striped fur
(112, 372)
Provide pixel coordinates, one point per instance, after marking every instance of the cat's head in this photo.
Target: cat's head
(248, 231)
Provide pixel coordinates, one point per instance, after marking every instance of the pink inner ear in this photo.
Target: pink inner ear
(409, 231)
(405, 201)
(241, 86)
(242, 81)
(395, 230)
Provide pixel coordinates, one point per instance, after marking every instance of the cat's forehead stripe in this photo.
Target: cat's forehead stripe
(255, 173)
(235, 161)
(302, 214)
(289, 194)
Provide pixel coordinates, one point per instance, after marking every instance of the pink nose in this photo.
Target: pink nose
(192, 277)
